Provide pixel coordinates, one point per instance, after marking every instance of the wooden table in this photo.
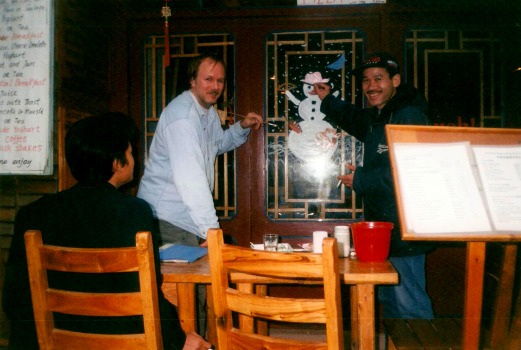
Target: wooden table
(179, 280)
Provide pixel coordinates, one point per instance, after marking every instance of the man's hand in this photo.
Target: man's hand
(195, 342)
(322, 90)
(252, 120)
(347, 179)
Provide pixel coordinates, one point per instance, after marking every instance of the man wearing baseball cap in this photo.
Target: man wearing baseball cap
(389, 103)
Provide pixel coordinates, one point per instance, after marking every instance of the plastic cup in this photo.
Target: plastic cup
(318, 236)
(343, 242)
(270, 241)
(372, 240)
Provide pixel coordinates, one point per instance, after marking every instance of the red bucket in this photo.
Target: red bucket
(372, 240)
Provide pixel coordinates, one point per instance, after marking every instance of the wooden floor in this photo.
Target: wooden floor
(316, 332)
(406, 334)
(307, 333)
(440, 333)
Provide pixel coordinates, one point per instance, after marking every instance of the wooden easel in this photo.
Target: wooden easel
(476, 244)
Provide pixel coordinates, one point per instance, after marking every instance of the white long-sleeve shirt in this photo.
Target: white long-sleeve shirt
(179, 173)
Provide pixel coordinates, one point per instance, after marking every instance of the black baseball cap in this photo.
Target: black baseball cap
(381, 60)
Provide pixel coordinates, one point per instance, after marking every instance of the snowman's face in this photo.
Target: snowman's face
(308, 90)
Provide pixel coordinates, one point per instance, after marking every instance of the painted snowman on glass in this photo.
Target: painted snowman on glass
(313, 139)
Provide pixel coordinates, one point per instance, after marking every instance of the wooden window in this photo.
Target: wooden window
(459, 72)
(301, 169)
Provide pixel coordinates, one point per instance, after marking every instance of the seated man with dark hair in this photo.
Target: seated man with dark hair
(91, 214)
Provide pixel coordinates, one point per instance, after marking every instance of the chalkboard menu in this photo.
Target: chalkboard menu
(26, 103)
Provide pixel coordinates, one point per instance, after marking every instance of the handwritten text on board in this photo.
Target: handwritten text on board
(25, 86)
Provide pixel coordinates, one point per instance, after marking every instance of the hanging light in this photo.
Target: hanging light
(166, 12)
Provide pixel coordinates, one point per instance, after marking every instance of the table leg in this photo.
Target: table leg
(475, 269)
(211, 321)
(354, 317)
(504, 299)
(249, 324)
(262, 325)
(170, 292)
(514, 339)
(186, 306)
(366, 316)
(246, 322)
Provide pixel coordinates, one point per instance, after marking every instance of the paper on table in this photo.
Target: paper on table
(181, 253)
(281, 247)
(257, 246)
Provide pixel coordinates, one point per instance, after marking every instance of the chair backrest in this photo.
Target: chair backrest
(42, 258)
(294, 268)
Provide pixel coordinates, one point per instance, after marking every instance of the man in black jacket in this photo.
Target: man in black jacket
(390, 103)
(91, 214)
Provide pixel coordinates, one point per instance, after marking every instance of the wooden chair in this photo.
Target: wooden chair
(273, 267)
(41, 258)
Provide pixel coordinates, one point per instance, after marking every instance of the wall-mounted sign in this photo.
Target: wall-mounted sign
(26, 106)
(337, 2)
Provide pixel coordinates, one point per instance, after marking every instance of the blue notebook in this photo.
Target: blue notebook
(181, 253)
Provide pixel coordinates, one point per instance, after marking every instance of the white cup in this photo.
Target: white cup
(343, 241)
(318, 236)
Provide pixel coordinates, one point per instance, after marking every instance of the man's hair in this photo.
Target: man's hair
(93, 143)
(193, 66)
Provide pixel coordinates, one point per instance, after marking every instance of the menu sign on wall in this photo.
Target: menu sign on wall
(26, 106)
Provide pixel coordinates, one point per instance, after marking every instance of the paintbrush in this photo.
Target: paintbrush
(244, 117)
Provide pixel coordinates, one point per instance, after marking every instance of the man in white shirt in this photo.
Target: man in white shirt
(179, 175)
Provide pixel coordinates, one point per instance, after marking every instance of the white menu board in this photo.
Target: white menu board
(26, 102)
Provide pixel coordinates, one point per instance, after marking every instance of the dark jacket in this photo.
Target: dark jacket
(373, 181)
(83, 216)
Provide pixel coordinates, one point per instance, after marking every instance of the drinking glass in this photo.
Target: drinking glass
(270, 241)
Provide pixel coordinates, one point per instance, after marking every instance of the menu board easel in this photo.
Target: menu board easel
(442, 154)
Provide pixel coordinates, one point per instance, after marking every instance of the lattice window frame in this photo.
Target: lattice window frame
(422, 43)
(280, 205)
